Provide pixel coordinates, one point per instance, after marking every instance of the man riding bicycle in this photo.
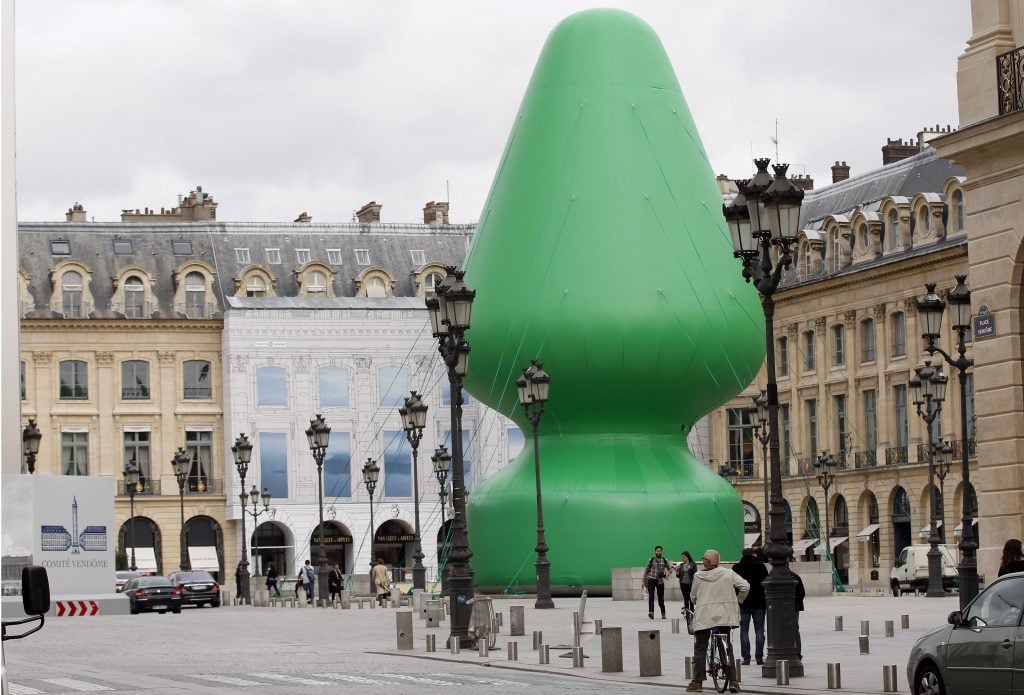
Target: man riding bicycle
(717, 593)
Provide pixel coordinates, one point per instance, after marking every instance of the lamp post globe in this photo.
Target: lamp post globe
(181, 463)
(371, 472)
(414, 419)
(30, 437)
(318, 434)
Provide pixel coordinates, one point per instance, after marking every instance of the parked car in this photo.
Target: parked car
(122, 576)
(976, 652)
(197, 588)
(152, 594)
(911, 570)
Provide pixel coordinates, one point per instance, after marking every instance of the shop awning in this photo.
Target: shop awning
(927, 530)
(865, 535)
(145, 559)
(801, 546)
(959, 530)
(836, 541)
(749, 538)
(203, 557)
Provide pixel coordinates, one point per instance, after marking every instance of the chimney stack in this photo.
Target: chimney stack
(804, 181)
(76, 213)
(369, 213)
(435, 213)
(896, 150)
(840, 172)
(304, 217)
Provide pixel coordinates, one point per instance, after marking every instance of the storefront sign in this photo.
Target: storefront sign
(331, 539)
(395, 538)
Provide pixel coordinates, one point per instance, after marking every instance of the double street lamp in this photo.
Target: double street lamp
(450, 312)
(414, 419)
(928, 391)
(533, 394)
(931, 308)
(442, 464)
(766, 214)
(133, 481)
(242, 451)
(759, 417)
(371, 472)
(181, 463)
(30, 436)
(319, 436)
(825, 464)
(254, 496)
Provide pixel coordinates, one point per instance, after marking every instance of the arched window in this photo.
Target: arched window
(316, 283)
(375, 287)
(71, 294)
(195, 295)
(924, 220)
(864, 237)
(893, 231)
(134, 298)
(837, 251)
(430, 283)
(840, 515)
(958, 211)
(255, 286)
(812, 527)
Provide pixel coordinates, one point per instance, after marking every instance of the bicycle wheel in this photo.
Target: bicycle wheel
(721, 677)
(715, 665)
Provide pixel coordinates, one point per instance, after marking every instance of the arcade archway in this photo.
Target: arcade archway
(204, 541)
(393, 542)
(337, 545)
(147, 545)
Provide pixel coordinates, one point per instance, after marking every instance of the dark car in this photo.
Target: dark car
(197, 588)
(979, 651)
(152, 594)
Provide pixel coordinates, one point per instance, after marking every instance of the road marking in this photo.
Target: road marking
(230, 680)
(80, 686)
(416, 679)
(484, 681)
(290, 679)
(24, 690)
(348, 678)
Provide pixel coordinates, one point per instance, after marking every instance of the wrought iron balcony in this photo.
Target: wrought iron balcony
(865, 459)
(1010, 80)
(145, 487)
(895, 455)
(972, 448)
(204, 486)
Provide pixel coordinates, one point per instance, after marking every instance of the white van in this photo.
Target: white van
(911, 570)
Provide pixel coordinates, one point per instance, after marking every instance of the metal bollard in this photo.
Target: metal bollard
(481, 647)
(513, 651)
(839, 623)
(781, 672)
(905, 622)
(889, 683)
(650, 652)
(611, 650)
(864, 644)
(577, 657)
(834, 675)
(543, 655)
(453, 645)
(865, 627)
(598, 626)
(517, 618)
(675, 626)
(403, 628)
(688, 667)
(431, 643)
(538, 638)
(890, 628)
(736, 664)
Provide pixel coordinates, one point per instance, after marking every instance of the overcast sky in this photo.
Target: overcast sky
(280, 107)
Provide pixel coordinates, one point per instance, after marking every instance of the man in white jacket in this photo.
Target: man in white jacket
(717, 593)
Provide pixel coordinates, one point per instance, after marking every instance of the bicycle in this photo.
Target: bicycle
(718, 659)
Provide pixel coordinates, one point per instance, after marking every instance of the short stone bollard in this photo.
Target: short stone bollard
(513, 651)
(611, 650)
(403, 629)
(781, 672)
(834, 676)
(453, 645)
(905, 622)
(650, 652)
(577, 657)
(434, 617)
(864, 647)
(431, 643)
(395, 596)
(292, 602)
(346, 599)
(598, 626)
(538, 639)
(889, 681)
(543, 654)
(839, 623)
(865, 627)
(482, 648)
(688, 667)
(890, 630)
(675, 626)
(517, 618)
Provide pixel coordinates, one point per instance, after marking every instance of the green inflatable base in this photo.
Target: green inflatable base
(608, 500)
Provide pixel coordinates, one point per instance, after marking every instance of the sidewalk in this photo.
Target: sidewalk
(822, 644)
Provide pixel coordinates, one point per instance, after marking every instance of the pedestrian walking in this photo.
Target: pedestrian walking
(334, 581)
(381, 581)
(272, 580)
(685, 571)
(752, 608)
(1012, 559)
(308, 578)
(798, 603)
(717, 592)
(654, 580)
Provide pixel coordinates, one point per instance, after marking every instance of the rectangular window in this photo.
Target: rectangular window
(273, 256)
(867, 341)
(787, 441)
(397, 464)
(812, 427)
(838, 346)
(74, 380)
(741, 441)
(783, 356)
(363, 256)
(122, 247)
(338, 466)
(181, 247)
(899, 335)
(839, 402)
(870, 422)
(60, 248)
(199, 445)
(393, 383)
(809, 351)
(333, 386)
(270, 386)
(902, 426)
(274, 463)
(302, 256)
(196, 377)
(74, 453)
(418, 257)
(467, 467)
(334, 256)
(516, 442)
(242, 256)
(136, 448)
(134, 380)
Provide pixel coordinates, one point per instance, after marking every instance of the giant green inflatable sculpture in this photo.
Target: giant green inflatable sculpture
(602, 252)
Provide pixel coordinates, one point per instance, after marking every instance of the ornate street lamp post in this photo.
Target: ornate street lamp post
(30, 436)
(319, 436)
(442, 464)
(181, 463)
(414, 419)
(759, 417)
(943, 463)
(132, 479)
(930, 309)
(826, 465)
(766, 213)
(371, 472)
(242, 451)
(928, 389)
(533, 394)
(450, 312)
(255, 496)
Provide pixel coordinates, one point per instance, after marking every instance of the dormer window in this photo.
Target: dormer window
(375, 287)
(71, 294)
(60, 248)
(418, 257)
(134, 298)
(255, 286)
(363, 256)
(273, 256)
(959, 213)
(302, 256)
(241, 255)
(181, 247)
(925, 219)
(195, 295)
(864, 237)
(334, 256)
(316, 283)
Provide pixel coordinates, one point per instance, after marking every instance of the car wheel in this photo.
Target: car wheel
(176, 610)
(133, 610)
(215, 604)
(162, 612)
(929, 682)
(895, 587)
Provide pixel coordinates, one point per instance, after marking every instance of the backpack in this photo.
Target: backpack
(310, 576)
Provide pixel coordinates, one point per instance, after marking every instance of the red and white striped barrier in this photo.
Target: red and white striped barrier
(76, 608)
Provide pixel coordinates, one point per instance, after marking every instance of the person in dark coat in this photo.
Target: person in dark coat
(798, 601)
(334, 582)
(753, 607)
(272, 580)
(1012, 559)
